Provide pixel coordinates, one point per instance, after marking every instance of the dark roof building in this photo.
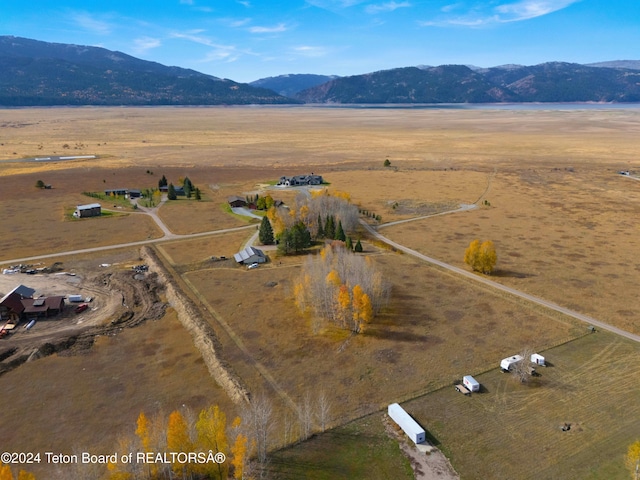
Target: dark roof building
(236, 201)
(301, 180)
(42, 306)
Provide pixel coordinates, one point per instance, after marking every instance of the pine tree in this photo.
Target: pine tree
(162, 182)
(330, 228)
(358, 247)
(266, 232)
(349, 244)
(171, 193)
(320, 233)
(198, 195)
(340, 232)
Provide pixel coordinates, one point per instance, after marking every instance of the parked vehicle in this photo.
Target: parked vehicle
(81, 308)
(253, 265)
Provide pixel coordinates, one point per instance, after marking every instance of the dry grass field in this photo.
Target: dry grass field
(591, 385)
(561, 218)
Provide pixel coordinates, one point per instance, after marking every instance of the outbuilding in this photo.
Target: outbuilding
(537, 359)
(471, 383)
(250, 255)
(408, 425)
(89, 210)
(236, 201)
(507, 363)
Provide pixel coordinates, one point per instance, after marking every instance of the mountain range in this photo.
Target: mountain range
(35, 73)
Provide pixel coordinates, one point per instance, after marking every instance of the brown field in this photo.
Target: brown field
(562, 221)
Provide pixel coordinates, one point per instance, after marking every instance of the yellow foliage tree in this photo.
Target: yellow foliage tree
(212, 435)
(481, 257)
(143, 431)
(333, 278)
(632, 459)
(239, 452)
(276, 222)
(357, 294)
(344, 305)
(24, 475)
(178, 440)
(5, 472)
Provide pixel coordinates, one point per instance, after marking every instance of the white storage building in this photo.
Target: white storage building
(406, 423)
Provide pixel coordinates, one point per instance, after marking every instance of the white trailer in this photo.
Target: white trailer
(415, 432)
(507, 363)
(537, 359)
(75, 298)
(471, 383)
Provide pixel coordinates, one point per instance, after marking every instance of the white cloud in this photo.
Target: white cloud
(281, 27)
(244, 4)
(92, 24)
(238, 23)
(309, 51)
(186, 2)
(526, 9)
(480, 15)
(143, 44)
(386, 7)
(334, 4)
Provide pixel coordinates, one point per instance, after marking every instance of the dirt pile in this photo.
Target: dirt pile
(204, 337)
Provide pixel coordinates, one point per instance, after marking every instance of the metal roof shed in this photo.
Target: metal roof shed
(250, 255)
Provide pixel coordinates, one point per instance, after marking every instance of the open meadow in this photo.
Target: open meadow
(547, 192)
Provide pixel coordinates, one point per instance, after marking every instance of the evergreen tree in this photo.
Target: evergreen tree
(340, 232)
(295, 239)
(320, 233)
(171, 195)
(349, 244)
(266, 232)
(198, 196)
(187, 189)
(162, 182)
(330, 227)
(358, 247)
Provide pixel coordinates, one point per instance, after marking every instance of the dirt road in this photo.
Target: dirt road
(478, 278)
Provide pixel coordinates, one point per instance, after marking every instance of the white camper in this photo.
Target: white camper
(537, 359)
(406, 423)
(471, 383)
(507, 363)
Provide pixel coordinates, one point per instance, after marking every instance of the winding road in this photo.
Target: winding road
(168, 235)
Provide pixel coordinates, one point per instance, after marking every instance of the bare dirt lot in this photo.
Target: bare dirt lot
(560, 216)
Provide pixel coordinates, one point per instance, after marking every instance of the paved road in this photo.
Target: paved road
(50, 158)
(499, 286)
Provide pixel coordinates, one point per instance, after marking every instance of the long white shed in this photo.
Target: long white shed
(407, 423)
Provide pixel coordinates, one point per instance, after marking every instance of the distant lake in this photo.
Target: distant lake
(486, 106)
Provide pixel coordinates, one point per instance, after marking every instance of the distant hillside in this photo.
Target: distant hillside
(289, 85)
(34, 73)
(548, 82)
(629, 64)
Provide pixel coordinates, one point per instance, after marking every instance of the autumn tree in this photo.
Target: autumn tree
(178, 440)
(212, 435)
(265, 233)
(340, 288)
(481, 257)
(259, 418)
(239, 455)
(632, 459)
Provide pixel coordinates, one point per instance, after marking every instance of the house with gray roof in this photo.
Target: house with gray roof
(250, 255)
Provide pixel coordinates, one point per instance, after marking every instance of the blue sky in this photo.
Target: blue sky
(245, 40)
